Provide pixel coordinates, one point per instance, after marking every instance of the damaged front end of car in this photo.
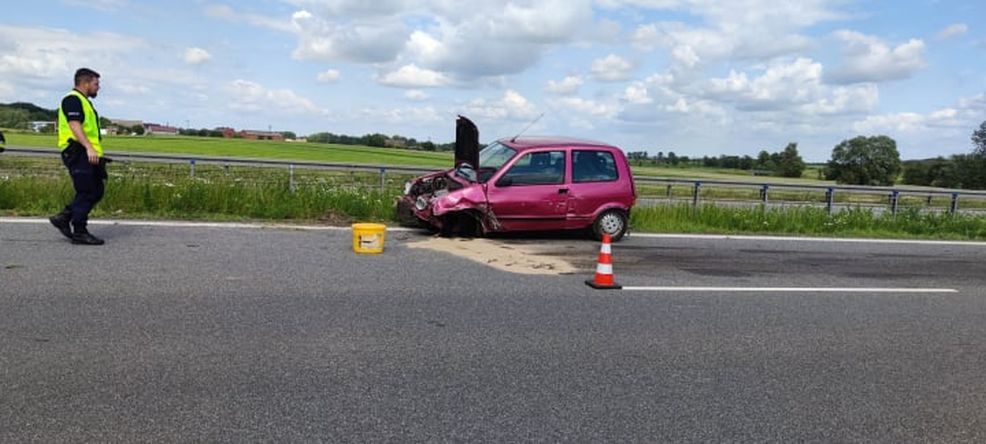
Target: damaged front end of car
(452, 202)
(447, 204)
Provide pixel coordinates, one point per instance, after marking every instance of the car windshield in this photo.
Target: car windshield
(494, 156)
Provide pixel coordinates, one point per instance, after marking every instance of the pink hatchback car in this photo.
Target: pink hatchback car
(523, 184)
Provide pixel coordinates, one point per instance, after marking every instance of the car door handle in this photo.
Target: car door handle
(563, 191)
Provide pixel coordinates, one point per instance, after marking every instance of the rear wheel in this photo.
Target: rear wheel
(612, 222)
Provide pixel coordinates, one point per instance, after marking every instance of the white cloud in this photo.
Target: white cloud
(329, 76)
(196, 56)
(743, 29)
(587, 107)
(965, 114)
(693, 107)
(363, 42)
(955, 29)
(646, 37)
(54, 54)
(685, 56)
(611, 68)
(794, 86)
(567, 86)
(6, 91)
(259, 20)
(101, 5)
(512, 106)
(462, 40)
(869, 59)
(416, 115)
(648, 4)
(637, 94)
(415, 95)
(254, 97)
(354, 8)
(411, 76)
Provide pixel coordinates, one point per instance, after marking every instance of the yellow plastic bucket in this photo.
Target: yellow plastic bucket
(368, 238)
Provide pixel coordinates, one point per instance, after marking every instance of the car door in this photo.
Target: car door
(594, 183)
(531, 194)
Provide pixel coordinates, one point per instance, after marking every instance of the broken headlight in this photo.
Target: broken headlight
(421, 203)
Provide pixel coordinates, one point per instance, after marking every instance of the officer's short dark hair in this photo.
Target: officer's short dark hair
(85, 75)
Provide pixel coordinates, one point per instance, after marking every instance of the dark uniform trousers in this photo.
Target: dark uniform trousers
(88, 181)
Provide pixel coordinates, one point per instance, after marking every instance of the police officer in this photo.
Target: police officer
(79, 138)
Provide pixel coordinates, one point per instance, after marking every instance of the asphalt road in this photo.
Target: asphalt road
(242, 334)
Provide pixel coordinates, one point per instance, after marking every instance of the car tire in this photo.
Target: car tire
(613, 222)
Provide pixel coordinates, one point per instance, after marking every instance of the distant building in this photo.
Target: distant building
(228, 132)
(261, 135)
(122, 126)
(40, 125)
(153, 128)
(126, 123)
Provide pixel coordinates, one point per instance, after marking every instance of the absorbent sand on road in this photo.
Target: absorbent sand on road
(515, 258)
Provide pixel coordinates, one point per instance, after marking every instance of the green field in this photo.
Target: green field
(39, 186)
(252, 149)
(314, 152)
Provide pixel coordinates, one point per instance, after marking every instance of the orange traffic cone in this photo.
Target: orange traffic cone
(604, 269)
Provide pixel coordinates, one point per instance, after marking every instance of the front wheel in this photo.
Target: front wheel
(612, 222)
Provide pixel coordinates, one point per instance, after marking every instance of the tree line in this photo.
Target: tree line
(785, 163)
(858, 161)
(966, 171)
(380, 141)
(20, 115)
(876, 161)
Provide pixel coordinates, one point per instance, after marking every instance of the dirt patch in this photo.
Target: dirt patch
(523, 259)
(335, 219)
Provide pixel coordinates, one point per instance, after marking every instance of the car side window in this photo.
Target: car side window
(593, 166)
(540, 168)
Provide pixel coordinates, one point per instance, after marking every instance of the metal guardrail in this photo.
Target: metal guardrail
(893, 194)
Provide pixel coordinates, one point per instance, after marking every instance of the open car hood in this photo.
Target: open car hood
(466, 143)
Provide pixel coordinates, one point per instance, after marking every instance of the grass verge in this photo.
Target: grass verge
(40, 186)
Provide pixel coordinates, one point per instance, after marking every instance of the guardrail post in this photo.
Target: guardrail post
(191, 169)
(698, 187)
(670, 196)
(894, 200)
(383, 179)
(291, 177)
(763, 194)
(829, 199)
(955, 204)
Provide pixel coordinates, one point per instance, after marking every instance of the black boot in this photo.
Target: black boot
(61, 221)
(84, 238)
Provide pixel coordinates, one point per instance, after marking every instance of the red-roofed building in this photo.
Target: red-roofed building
(261, 135)
(153, 128)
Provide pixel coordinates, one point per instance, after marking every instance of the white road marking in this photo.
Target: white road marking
(804, 239)
(795, 289)
(23, 220)
(148, 223)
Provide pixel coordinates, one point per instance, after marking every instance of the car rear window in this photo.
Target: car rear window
(593, 166)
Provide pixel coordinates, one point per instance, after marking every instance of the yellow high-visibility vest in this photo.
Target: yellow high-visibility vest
(90, 125)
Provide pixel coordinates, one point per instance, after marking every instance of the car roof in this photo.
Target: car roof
(531, 142)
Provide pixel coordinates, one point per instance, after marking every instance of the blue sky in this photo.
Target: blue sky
(697, 77)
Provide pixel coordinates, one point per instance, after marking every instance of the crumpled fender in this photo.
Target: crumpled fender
(469, 198)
